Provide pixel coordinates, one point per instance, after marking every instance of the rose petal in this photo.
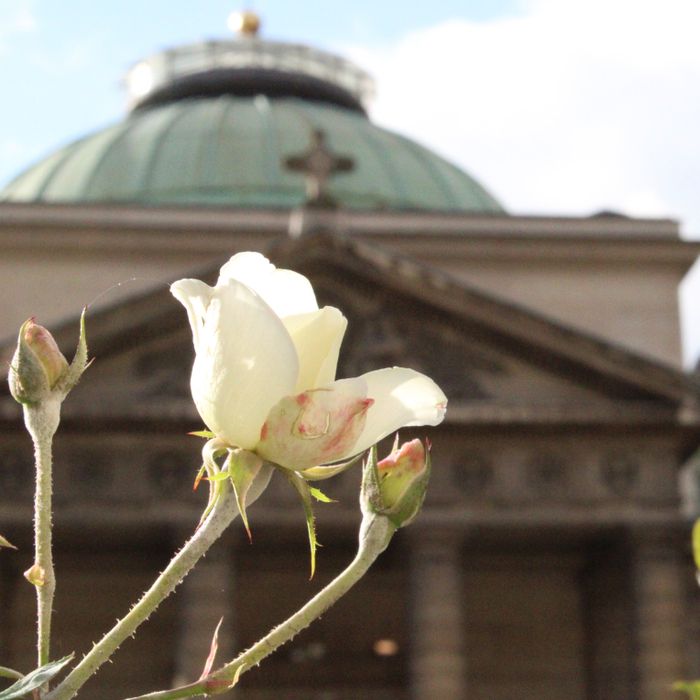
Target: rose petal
(317, 337)
(316, 426)
(195, 296)
(286, 292)
(402, 397)
(245, 363)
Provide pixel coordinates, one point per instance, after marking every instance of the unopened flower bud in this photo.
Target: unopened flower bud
(395, 487)
(42, 343)
(37, 364)
(39, 369)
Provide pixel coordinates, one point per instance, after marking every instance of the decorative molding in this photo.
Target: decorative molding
(546, 473)
(91, 472)
(472, 474)
(619, 472)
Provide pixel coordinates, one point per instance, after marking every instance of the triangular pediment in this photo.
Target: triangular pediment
(495, 361)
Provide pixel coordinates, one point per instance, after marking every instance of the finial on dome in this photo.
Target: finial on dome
(246, 23)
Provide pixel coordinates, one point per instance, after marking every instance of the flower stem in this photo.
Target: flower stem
(42, 421)
(223, 512)
(375, 534)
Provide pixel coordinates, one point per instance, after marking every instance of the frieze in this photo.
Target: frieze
(472, 474)
(90, 471)
(619, 472)
(495, 475)
(546, 474)
(512, 476)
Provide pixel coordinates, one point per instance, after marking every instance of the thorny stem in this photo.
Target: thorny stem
(42, 421)
(224, 511)
(375, 534)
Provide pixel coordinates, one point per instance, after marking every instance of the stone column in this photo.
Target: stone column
(204, 597)
(659, 584)
(437, 631)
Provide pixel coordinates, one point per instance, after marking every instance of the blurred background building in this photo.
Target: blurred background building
(551, 560)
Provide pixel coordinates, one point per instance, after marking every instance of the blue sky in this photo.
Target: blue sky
(556, 106)
(63, 61)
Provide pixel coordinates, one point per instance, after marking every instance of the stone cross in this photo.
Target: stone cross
(318, 164)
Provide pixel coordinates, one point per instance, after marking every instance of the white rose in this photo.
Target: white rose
(264, 373)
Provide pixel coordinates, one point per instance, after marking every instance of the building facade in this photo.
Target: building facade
(551, 559)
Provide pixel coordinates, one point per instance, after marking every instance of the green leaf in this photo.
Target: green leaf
(320, 496)
(242, 467)
(203, 434)
(35, 679)
(304, 491)
(691, 688)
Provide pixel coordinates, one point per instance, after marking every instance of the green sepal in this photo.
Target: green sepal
(10, 673)
(200, 475)
(327, 471)
(370, 494)
(35, 679)
(219, 476)
(320, 496)
(691, 688)
(80, 361)
(203, 434)
(242, 467)
(304, 491)
(212, 449)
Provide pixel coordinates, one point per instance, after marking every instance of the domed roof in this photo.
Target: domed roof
(229, 151)
(214, 124)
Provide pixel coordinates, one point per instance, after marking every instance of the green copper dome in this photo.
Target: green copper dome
(220, 136)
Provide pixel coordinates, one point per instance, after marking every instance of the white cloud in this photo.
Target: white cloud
(568, 107)
(17, 16)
